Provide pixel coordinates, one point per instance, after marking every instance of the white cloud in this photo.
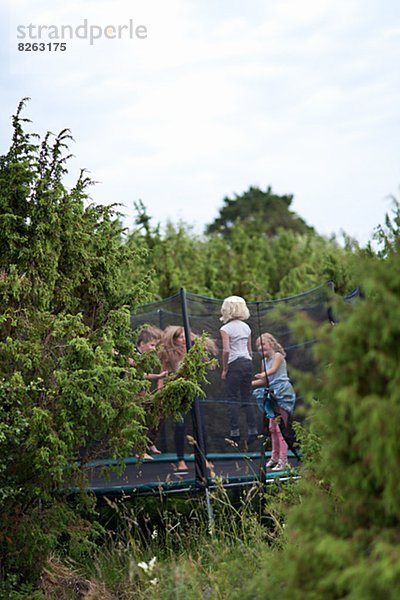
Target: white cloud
(302, 96)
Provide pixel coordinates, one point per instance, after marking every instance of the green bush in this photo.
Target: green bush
(342, 539)
(66, 392)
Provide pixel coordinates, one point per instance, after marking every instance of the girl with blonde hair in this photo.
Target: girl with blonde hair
(274, 374)
(237, 368)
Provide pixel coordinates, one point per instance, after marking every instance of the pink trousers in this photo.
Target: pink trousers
(279, 446)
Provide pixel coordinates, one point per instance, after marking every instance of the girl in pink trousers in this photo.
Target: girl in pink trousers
(273, 365)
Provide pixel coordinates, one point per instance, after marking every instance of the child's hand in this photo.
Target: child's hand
(223, 374)
(259, 379)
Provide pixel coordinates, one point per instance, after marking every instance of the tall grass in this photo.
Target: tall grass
(168, 548)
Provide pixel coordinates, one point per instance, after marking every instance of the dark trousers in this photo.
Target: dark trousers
(179, 434)
(179, 438)
(239, 394)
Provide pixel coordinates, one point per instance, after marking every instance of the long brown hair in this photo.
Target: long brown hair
(171, 353)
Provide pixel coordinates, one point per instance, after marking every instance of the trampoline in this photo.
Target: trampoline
(207, 424)
(159, 476)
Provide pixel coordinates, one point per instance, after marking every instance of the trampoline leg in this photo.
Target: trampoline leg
(210, 512)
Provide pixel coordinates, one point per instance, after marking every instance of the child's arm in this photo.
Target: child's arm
(162, 375)
(155, 376)
(225, 353)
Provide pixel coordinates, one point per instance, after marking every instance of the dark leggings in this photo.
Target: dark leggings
(179, 438)
(179, 434)
(239, 393)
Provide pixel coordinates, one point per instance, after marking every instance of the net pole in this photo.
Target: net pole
(263, 468)
(331, 317)
(198, 426)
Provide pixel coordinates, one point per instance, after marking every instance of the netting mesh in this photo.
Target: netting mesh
(204, 314)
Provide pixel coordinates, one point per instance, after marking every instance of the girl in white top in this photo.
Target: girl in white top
(237, 364)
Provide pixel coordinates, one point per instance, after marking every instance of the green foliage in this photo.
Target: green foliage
(263, 212)
(246, 262)
(342, 540)
(69, 279)
(184, 385)
(66, 391)
(388, 235)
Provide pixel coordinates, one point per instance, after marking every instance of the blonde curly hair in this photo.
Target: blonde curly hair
(234, 307)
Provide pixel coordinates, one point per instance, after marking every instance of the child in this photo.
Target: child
(173, 349)
(237, 368)
(148, 341)
(274, 365)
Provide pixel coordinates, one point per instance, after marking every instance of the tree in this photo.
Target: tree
(263, 212)
(246, 262)
(65, 340)
(342, 539)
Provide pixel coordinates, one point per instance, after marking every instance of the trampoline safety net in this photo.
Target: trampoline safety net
(273, 316)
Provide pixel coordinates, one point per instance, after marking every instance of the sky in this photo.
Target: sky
(181, 103)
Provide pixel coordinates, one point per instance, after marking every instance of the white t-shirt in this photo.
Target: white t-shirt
(238, 332)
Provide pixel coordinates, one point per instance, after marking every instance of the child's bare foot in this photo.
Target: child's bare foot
(144, 456)
(154, 450)
(182, 466)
